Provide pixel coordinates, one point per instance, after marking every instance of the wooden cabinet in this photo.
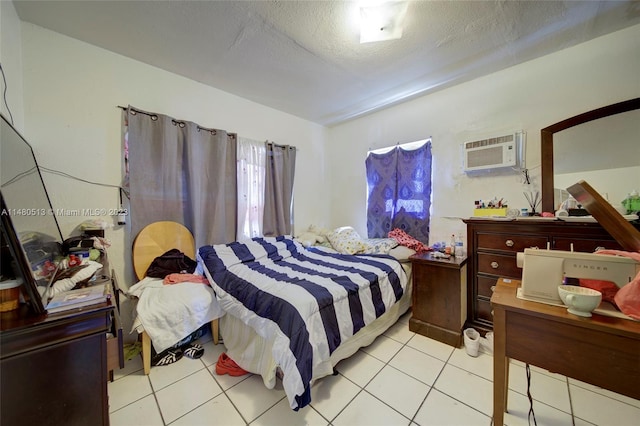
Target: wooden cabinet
(492, 246)
(439, 297)
(54, 368)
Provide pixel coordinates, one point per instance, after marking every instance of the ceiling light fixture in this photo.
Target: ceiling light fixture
(380, 21)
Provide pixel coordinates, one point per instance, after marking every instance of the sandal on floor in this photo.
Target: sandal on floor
(167, 357)
(193, 351)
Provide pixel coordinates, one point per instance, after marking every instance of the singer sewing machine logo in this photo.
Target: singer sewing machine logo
(544, 270)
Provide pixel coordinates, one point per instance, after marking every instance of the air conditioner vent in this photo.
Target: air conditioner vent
(494, 153)
(491, 141)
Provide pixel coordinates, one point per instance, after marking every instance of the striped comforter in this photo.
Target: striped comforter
(306, 300)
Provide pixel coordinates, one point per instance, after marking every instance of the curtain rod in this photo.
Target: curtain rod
(281, 146)
(175, 122)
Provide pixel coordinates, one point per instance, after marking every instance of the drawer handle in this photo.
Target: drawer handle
(509, 243)
(494, 265)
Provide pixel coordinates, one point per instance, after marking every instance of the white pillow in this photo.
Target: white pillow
(346, 240)
(402, 253)
(379, 245)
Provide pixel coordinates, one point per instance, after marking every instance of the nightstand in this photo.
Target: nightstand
(439, 300)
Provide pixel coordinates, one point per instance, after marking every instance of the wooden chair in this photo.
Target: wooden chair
(154, 240)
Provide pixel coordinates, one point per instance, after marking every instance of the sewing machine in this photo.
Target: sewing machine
(544, 270)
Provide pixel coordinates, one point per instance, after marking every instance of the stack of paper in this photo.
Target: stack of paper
(78, 298)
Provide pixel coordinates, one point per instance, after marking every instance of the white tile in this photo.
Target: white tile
(431, 347)
(184, 395)
(442, 410)
(400, 332)
(539, 370)
(366, 410)
(417, 364)
(602, 410)
(580, 422)
(466, 387)
(331, 394)
(482, 365)
(128, 390)
(252, 398)
(360, 368)
(218, 411)
(226, 381)
(163, 376)
(211, 352)
(546, 389)
(398, 390)
(383, 348)
(282, 414)
(131, 366)
(605, 392)
(143, 412)
(518, 413)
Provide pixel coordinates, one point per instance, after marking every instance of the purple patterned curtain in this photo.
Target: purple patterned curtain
(399, 192)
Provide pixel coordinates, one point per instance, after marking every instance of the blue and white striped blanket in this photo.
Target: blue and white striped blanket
(305, 300)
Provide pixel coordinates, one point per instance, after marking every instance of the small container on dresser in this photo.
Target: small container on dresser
(439, 297)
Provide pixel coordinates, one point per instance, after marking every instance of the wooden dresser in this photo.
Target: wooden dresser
(54, 367)
(492, 246)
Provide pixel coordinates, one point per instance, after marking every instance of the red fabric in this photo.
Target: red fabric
(607, 288)
(628, 297)
(184, 278)
(407, 240)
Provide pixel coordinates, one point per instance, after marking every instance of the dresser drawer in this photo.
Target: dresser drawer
(483, 310)
(583, 245)
(511, 243)
(485, 286)
(499, 265)
(115, 345)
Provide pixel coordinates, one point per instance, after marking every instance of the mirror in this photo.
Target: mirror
(601, 147)
(29, 226)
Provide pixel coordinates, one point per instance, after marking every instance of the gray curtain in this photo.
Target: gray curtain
(182, 172)
(278, 199)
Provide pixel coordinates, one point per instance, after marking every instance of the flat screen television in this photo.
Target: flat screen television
(31, 237)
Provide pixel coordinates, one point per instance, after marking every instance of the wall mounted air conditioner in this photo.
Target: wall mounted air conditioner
(495, 153)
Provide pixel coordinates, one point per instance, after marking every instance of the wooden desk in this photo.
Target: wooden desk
(600, 350)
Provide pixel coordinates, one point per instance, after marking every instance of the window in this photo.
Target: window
(399, 190)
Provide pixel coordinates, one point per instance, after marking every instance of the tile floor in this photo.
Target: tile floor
(403, 378)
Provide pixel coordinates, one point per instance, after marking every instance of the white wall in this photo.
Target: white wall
(528, 97)
(11, 60)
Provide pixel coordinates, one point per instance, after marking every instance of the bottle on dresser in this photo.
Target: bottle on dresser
(459, 246)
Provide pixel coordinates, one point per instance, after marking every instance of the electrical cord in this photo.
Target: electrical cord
(4, 79)
(19, 176)
(67, 175)
(531, 413)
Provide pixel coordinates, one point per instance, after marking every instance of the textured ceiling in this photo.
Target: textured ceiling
(305, 58)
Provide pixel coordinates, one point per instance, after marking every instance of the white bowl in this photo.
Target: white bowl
(580, 301)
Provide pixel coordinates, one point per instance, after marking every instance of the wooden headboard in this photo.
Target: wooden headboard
(156, 239)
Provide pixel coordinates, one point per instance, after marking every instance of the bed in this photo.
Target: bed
(296, 311)
(166, 314)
